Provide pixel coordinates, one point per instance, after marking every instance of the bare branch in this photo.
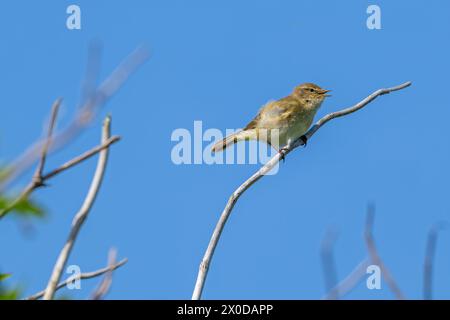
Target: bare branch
(87, 275)
(204, 265)
(105, 285)
(41, 165)
(88, 154)
(81, 215)
(430, 253)
(328, 263)
(349, 110)
(375, 257)
(33, 185)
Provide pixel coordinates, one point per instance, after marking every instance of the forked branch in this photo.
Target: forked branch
(82, 214)
(87, 275)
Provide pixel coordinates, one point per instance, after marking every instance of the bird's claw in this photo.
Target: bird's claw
(282, 151)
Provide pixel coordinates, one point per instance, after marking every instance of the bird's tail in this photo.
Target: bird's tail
(234, 138)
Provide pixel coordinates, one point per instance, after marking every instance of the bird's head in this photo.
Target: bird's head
(310, 94)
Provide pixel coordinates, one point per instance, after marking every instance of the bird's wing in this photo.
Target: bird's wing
(270, 115)
(254, 123)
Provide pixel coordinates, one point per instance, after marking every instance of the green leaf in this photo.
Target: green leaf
(9, 294)
(4, 276)
(29, 208)
(25, 208)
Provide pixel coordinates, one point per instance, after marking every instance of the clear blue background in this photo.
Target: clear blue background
(219, 61)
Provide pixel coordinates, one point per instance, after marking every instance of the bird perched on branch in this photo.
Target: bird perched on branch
(279, 123)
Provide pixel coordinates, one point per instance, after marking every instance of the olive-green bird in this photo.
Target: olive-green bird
(291, 115)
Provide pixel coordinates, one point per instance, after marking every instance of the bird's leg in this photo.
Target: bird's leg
(284, 149)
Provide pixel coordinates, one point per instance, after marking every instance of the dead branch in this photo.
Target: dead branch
(204, 265)
(87, 275)
(82, 214)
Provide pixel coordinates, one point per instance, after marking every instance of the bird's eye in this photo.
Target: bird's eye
(311, 90)
(308, 101)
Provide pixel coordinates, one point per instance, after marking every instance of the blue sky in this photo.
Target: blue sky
(218, 62)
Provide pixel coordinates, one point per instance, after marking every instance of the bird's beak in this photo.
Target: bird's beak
(324, 92)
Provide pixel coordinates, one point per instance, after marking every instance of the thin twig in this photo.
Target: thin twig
(41, 165)
(105, 285)
(45, 177)
(204, 265)
(430, 253)
(375, 257)
(82, 213)
(81, 276)
(82, 157)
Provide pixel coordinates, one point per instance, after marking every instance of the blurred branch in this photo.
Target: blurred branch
(105, 285)
(375, 257)
(430, 253)
(204, 265)
(82, 213)
(92, 71)
(37, 180)
(87, 275)
(328, 263)
(350, 282)
(360, 271)
(92, 100)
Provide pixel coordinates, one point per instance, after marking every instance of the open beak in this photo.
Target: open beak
(324, 92)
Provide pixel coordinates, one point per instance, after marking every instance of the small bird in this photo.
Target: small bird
(291, 115)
